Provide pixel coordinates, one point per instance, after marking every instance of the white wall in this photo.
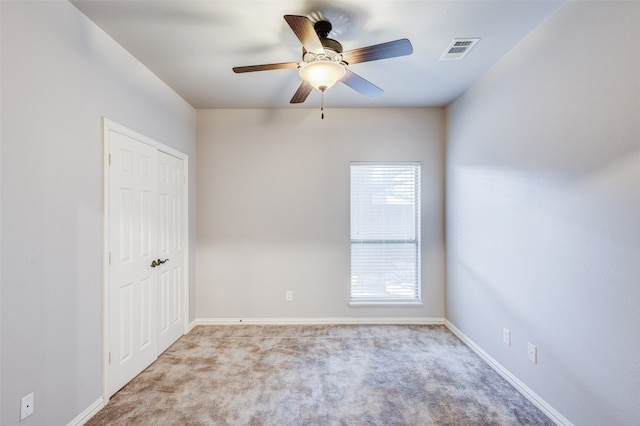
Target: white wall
(60, 76)
(543, 211)
(273, 208)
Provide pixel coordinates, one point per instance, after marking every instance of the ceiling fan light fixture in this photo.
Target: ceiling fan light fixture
(322, 74)
(324, 61)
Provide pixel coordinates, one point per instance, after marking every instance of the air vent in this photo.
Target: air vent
(458, 48)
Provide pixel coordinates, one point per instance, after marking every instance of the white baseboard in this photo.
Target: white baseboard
(91, 411)
(533, 397)
(318, 321)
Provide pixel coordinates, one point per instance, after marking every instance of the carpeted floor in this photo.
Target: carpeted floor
(319, 375)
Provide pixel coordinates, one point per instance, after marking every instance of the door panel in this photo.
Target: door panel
(133, 283)
(171, 193)
(125, 351)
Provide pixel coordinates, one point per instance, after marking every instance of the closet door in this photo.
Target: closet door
(145, 298)
(133, 286)
(171, 249)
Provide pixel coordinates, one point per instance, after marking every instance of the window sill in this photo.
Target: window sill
(390, 303)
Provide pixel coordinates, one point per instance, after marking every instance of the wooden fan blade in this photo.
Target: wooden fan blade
(303, 29)
(390, 49)
(361, 85)
(266, 67)
(301, 94)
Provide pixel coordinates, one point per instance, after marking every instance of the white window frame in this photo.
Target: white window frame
(387, 297)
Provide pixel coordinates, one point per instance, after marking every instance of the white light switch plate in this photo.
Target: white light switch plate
(532, 353)
(506, 336)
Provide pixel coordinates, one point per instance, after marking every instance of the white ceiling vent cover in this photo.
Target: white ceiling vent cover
(458, 48)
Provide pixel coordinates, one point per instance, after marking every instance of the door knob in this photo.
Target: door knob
(158, 262)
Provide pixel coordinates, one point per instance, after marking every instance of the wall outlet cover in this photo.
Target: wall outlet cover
(26, 406)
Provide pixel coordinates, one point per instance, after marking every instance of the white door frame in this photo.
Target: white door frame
(111, 126)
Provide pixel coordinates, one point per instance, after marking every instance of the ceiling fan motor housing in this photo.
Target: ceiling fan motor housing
(332, 47)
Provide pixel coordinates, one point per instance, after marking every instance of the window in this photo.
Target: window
(385, 232)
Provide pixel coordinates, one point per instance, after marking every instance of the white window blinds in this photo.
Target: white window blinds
(385, 232)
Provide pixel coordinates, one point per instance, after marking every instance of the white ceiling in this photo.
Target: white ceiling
(192, 45)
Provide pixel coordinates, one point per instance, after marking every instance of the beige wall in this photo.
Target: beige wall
(543, 212)
(273, 208)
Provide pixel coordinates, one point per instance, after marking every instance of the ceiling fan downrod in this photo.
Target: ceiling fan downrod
(323, 28)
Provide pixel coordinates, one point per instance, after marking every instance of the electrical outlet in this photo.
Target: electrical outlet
(506, 336)
(26, 406)
(288, 295)
(532, 353)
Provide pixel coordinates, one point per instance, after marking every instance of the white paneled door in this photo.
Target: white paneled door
(171, 242)
(146, 243)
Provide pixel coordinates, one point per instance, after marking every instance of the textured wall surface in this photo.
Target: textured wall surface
(273, 208)
(543, 208)
(60, 75)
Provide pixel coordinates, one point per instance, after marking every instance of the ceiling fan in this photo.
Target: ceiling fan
(324, 62)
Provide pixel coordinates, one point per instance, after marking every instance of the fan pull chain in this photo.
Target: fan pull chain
(322, 105)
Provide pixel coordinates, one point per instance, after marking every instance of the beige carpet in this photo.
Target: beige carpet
(319, 375)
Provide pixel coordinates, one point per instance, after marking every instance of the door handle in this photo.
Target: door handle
(158, 262)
